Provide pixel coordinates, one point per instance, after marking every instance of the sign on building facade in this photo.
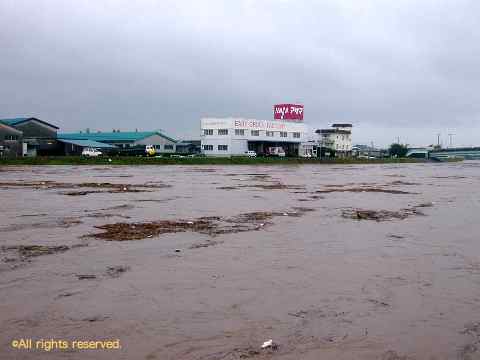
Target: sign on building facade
(292, 112)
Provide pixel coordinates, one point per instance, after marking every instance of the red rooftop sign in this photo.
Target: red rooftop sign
(292, 112)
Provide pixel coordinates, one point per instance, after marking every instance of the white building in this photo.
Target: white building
(337, 138)
(235, 136)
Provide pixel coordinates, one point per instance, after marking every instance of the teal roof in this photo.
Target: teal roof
(113, 136)
(12, 121)
(88, 143)
(16, 121)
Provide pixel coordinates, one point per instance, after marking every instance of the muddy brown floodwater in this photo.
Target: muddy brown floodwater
(208, 262)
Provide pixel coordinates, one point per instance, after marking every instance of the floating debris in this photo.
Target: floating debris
(400, 182)
(380, 215)
(275, 186)
(427, 204)
(205, 244)
(116, 271)
(269, 344)
(392, 355)
(212, 225)
(86, 277)
(363, 189)
(28, 251)
(105, 187)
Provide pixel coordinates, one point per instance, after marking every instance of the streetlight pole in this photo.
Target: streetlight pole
(451, 136)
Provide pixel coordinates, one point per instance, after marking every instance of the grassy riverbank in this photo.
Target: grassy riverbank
(77, 160)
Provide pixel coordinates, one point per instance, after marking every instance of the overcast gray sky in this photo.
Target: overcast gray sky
(403, 68)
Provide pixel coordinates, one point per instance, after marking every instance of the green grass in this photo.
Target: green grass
(237, 160)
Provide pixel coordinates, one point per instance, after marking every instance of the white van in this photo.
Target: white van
(91, 152)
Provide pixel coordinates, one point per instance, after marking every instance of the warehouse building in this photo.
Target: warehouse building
(236, 136)
(39, 136)
(120, 139)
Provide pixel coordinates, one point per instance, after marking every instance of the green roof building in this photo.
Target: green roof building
(125, 139)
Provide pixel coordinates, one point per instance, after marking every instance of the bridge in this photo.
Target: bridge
(468, 153)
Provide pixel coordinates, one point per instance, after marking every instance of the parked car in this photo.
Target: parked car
(251, 153)
(91, 152)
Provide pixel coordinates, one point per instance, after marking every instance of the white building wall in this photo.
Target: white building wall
(341, 142)
(238, 143)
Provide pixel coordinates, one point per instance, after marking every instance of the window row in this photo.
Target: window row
(157, 147)
(11, 137)
(219, 147)
(241, 132)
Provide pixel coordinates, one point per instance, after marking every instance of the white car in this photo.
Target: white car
(251, 153)
(91, 152)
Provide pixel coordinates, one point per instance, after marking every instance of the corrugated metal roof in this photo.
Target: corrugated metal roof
(12, 121)
(88, 143)
(113, 136)
(16, 121)
(10, 128)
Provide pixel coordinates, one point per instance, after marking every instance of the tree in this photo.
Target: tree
(398, 150)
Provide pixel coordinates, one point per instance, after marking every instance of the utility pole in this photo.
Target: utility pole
(451, 136)
(438, 139)
(398, 140)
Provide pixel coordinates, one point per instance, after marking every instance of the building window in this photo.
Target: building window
(208, 147)
(168, 147)
(283, 134)
(222, 147)
(296, 135)
(208, 132)
(11, 137)
(157, 147)
(239, 132)
(222, 131)
(270, 133)
(255, 132)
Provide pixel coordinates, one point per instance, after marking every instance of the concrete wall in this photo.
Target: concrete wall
(10, 148)
(341, 142)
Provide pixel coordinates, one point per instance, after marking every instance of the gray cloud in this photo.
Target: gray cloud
(404, 68)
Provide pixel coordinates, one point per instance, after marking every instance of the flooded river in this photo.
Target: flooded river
(208, 262)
